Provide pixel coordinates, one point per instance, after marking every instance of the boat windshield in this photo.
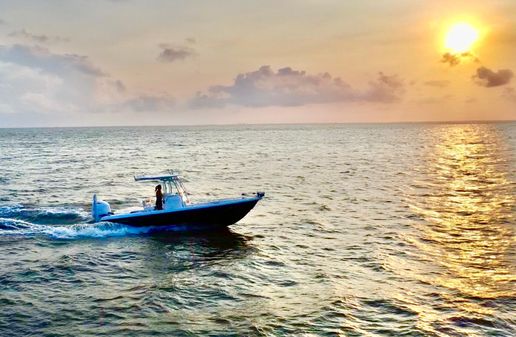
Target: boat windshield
(179, 187)
(171, 185)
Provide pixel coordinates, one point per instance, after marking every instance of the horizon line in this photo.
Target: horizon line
(486, 121)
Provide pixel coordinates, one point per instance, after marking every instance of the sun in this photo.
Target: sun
(460, 38)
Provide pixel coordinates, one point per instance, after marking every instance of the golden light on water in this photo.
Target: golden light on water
(461, 37)
(463, 198)
(468, 213)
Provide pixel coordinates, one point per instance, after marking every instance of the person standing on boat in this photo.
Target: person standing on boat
(159, 198)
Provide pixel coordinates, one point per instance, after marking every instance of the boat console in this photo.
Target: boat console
(172, 201)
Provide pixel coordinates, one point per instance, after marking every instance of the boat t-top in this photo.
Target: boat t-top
(177, 210)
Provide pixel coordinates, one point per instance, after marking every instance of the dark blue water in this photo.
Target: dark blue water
(365, 230)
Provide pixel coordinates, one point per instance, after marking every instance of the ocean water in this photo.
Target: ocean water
(365, 230)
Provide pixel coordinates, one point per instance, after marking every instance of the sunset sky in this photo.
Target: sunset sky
(130, 62)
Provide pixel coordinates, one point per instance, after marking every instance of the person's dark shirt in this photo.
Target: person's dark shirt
(159, 200)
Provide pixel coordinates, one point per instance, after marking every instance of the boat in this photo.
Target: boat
(178, 211)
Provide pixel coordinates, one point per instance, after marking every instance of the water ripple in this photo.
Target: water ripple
(366, 230)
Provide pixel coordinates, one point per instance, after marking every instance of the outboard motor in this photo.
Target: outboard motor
(99, 208)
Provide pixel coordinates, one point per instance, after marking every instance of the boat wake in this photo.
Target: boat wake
(59, 223)
(45, 215)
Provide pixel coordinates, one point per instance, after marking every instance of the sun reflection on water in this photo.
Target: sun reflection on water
(467, 203)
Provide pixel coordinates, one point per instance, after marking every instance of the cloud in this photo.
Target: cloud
(385, 89)
(289, 87)
(37, 80)
(485, 77)
(2, 22)
(489, 78)
(43, 59)
(172, 54)
(24, 89)
(119, 85)
(451, 59)
(34, 80)
(455, 59)
(437, 83)
(37, 38)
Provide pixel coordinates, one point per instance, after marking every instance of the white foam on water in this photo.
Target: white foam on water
(14, 220)
(93, 230)
(16, 226)
(96, 230)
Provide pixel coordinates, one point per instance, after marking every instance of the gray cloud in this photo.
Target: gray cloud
(119, 85)
(385, 89)
(437, 83)
(171, 54)
(34, 80)
(489, 78)
(2, 22)
(42, 58)
(288, 87)
(455, 59)
(37, 38)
